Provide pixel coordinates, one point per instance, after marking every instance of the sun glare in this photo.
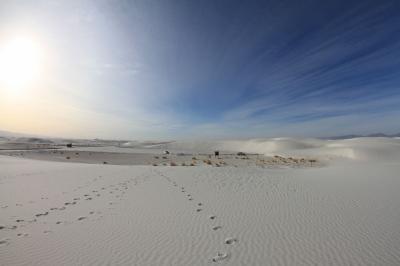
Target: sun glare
(20, 64)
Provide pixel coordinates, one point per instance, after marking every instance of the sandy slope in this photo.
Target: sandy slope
(346, 213)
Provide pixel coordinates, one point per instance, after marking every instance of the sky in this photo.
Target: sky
(203, 69)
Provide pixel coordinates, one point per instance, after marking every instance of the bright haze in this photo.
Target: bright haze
(189, 69)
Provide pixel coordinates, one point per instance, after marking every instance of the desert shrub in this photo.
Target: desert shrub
(154, 164)
(192, 164)
(67, 158)
(156, 157)
(183, 164)
(172, 164)
(165, 157)
(194, 158)
(104, 162)
(207, 162)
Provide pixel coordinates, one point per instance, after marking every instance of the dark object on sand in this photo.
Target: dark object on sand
(241, 154)
(166, 152)
(216, 153)
(69, 145)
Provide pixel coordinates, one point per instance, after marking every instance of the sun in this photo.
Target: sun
(20, 64)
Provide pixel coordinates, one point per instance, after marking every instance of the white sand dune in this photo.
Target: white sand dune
(344, 213)
(358, 148)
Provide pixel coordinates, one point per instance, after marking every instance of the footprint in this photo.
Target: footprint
(81, 218)
(230, 241)
(218, 227)
(199, 210)
(220, 256)
(200, 204)
(42, 214)
(88, 199)
(47, 231)
(4, 241)
(24, 235)
(190, 198)
(213, 217)
(19, 220)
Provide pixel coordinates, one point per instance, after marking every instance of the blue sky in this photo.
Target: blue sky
(216, 69)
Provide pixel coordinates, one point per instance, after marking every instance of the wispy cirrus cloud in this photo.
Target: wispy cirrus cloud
(252, 68)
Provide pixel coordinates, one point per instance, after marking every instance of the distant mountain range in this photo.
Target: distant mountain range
(6, 135)
(375, 135)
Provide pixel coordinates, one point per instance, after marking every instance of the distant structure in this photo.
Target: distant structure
(241, 154)
(69, 145)
(216, 153)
